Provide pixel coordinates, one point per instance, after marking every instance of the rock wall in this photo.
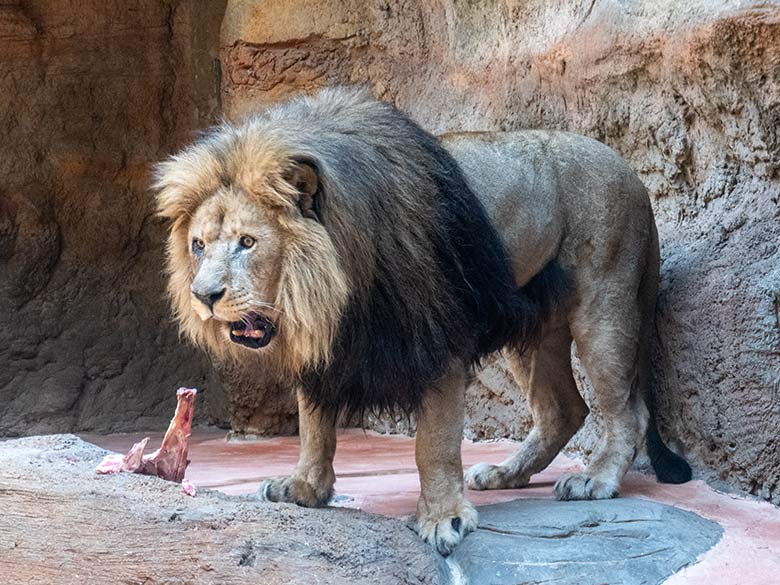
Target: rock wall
(91, 94)
(688, 93)
(94, 92)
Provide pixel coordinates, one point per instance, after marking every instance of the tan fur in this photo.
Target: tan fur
(549, 195)
(312, 287)
(444, 516)
(311, 484)
(554, 195)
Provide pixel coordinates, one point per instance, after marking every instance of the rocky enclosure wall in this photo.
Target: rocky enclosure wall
(688, 93)
(92, 93)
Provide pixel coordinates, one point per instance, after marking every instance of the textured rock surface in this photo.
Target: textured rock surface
(254, 405)
(96, 91)
(137, 529)
(689, 93)
(628, 541)
(93, 93)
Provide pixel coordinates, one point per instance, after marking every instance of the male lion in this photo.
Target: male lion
(338, 245)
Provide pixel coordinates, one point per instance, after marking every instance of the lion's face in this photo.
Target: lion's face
(236, 247)
(250, 261)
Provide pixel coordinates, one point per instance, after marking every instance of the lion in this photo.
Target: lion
(332, 243)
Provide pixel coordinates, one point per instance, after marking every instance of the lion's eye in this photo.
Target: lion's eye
(246, 241)
(198, 245)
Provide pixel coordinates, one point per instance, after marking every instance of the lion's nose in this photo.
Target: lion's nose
(208, 298)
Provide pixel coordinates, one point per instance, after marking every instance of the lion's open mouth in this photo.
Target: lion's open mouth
(253, 331)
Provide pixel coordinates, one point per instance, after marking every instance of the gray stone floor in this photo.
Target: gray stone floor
(626, 541)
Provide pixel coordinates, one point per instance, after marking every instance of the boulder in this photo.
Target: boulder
(131, 528)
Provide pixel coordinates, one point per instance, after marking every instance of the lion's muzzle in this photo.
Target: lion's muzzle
(209, 298)
(253, 331)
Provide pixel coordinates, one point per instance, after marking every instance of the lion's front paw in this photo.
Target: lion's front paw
(294, 490)
(581, 486)
(444, 533)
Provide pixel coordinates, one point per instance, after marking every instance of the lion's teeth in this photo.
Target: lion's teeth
(253, 333)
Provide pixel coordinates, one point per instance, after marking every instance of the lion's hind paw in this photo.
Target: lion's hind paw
(484, 476)
(580, 486)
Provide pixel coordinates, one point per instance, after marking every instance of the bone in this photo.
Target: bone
(170, 460)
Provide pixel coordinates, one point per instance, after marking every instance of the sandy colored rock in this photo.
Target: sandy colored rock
(94, 93)
(136, 529)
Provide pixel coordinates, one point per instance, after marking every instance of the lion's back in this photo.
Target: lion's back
(527, 162)
(546, 191)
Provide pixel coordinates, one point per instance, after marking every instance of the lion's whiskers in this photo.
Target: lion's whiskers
(265, 305)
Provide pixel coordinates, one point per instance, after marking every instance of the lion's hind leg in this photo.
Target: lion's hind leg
(557, 408)
(607, 333)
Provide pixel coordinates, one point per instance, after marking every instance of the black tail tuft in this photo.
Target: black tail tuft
(669, 466)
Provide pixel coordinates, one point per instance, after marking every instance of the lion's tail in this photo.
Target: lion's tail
(669, 467)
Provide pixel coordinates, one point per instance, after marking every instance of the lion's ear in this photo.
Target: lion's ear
(302, 175)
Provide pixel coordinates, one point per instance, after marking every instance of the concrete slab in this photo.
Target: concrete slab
(627, 541)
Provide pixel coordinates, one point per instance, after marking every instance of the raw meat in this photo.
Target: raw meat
(188, 487)
(170, 460)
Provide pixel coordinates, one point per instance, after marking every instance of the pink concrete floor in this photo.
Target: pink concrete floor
(377, 473)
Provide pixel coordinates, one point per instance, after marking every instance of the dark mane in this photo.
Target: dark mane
(431, 279)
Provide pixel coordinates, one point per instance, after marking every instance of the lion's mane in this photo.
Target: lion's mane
(402, 273)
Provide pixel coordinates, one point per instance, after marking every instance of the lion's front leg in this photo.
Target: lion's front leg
(311, 484)
(444, 516)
